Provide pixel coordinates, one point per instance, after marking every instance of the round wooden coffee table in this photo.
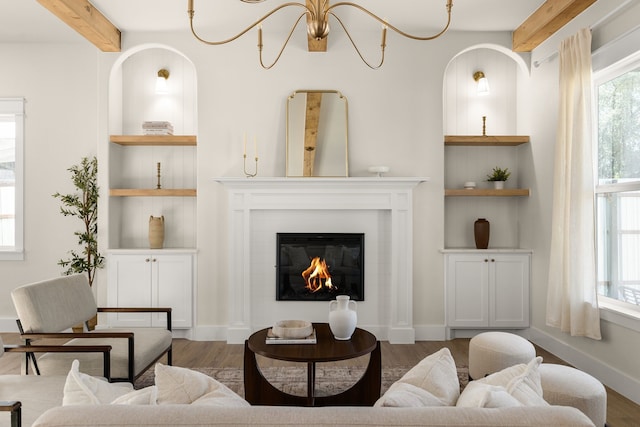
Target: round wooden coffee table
(365, 392)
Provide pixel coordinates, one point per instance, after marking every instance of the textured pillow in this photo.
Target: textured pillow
(520, 382)
(144, 396)
(83, 389)
(480, 395)
(432, 382)
(178, 385)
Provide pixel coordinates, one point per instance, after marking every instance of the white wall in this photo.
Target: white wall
(59, 83)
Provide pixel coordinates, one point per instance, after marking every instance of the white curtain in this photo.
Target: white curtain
(572, 303)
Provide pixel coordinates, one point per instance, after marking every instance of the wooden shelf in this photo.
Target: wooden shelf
(485, 140)
(186, 140)
(143, 192)
(489, 192)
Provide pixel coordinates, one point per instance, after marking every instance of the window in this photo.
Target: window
(11, 177)
(617, 92)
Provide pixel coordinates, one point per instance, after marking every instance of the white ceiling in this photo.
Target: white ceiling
(28, 21)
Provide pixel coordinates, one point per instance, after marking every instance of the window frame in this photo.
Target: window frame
(613, 309)
(15, 106)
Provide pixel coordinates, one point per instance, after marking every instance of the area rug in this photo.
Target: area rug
(330, 380)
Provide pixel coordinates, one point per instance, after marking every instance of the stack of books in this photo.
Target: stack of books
(273, 339)
(157, 128)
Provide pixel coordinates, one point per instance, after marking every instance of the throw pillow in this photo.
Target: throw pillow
(83, 389)
(144, 396)
(480, 395)
(178, 385)
(435, 376)
(520, 382)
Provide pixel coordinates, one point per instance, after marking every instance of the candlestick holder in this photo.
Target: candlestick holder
(158, 185)
(484, 125)
(247, 174)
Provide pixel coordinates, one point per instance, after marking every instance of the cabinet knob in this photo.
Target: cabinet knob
(486, 260)
(153, 260)
(493, 260)
(147, 260)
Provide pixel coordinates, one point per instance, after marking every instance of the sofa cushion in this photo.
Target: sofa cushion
(83, 389)
(517, 385)
(178, 385)
(432, 382)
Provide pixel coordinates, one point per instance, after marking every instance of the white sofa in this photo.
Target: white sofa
(188, 415)
(182, 397)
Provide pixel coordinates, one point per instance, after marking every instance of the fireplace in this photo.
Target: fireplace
(319, 266)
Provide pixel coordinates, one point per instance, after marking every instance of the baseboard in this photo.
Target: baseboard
(430, 332)
(608, 375)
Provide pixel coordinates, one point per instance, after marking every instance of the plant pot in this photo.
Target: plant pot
(498, 185)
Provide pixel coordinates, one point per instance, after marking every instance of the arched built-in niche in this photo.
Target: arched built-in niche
(463, 111)
(133, 100)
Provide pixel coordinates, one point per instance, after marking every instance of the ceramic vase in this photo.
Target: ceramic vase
(481, 233)
(498, 185)
(343, 317)
(156, 232)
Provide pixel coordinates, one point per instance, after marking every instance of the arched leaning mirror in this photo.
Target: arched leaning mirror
(317, 134)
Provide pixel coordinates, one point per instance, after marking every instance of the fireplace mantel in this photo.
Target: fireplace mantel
(315, 195)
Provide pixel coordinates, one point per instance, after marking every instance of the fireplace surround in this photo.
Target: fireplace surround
(381, 208)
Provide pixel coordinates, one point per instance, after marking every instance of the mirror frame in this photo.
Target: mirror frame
(291, 142)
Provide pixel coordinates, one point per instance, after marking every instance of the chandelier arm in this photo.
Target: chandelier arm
(191, 12)
(353, 43)
(293, 27)
(397, 30)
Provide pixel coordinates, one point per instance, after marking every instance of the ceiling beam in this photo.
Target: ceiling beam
(546, 20)
(83, 17)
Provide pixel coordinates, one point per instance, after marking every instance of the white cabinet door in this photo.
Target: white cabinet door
(151, 280)
(173, 288)
(129, 285)
(487, 290)
(509, 290)
(467, 291)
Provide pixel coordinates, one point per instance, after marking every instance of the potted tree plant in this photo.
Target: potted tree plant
(83, 205)
(498, 176)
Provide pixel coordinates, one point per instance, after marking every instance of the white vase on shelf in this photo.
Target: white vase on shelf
(498, 185)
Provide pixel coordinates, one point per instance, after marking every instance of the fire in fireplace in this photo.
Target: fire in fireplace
(319, 266)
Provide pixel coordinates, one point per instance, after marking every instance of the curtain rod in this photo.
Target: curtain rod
(593, 27)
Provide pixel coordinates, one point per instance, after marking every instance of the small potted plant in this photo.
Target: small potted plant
(498, 176)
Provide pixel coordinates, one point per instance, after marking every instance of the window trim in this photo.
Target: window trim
(611, 309)
(16, 106)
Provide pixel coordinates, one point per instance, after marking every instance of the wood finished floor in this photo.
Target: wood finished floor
(621, 412)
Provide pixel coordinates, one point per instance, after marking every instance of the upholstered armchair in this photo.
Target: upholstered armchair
(48, 309)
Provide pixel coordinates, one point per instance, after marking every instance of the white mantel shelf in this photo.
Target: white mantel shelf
(283, 182)
(323, 197)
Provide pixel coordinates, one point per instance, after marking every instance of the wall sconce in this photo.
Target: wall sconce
(483, 83)
(161, 82)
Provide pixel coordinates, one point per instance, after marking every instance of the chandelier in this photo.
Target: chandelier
(317, 13)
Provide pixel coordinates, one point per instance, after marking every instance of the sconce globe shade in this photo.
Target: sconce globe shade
(161, 82)
(483, 83)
